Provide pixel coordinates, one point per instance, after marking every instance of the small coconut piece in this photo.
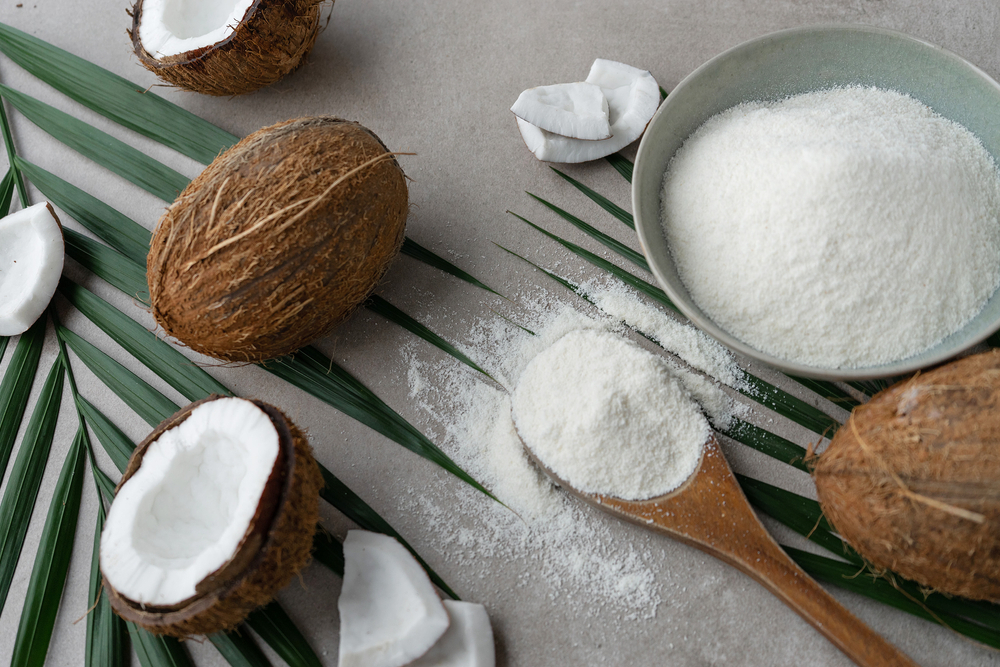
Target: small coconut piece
(223, 47)
(390, 614)
(577, 110)
(912, 481)
(31, 260)
(468, 642)
(633, 97)
(214, 514)
(278, 240)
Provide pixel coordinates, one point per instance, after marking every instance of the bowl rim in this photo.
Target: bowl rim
(646, 229)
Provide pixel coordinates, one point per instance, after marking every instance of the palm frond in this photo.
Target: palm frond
(354, 508)
(107, 263)
(328, 550)
(418, 252)
(106, 644)
(272, 624)
(621, 164)
(110, 225)
(26, 476)
(6, 192)
(380, 306)
(157, 650)
(616, 211)
(16, 387)
(112, 154)
(114, 97)
(55, 548)
(238, 649)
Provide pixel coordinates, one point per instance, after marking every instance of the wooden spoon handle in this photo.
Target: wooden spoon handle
(777, 572)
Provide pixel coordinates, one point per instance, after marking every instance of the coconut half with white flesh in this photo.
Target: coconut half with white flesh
(223, 47)
(633, 97)
(578, 110)
(468, 642)
(390, 614)
(214, 514)
(32, 252)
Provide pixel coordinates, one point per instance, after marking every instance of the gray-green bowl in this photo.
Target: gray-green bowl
(796, 61)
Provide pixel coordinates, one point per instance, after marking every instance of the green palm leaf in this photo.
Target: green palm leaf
(106, 638)
(621, 164)
(157, 650)
(6, 192)
(602, 238)
(111, 226)
(16, 387)
(114, 97)
(418, 252)
(112, 154)
(328, 550)
(26, 476)
(380, 306)
(614, 209)
(354, 508)
(274, 626)
(48, 576)
(107, 263)
(309, 370)
(238, 649)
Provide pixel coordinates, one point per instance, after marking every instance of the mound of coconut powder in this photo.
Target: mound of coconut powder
(842, 228)
(608, 417)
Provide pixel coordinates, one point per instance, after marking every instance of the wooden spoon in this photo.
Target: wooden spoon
(710, 512)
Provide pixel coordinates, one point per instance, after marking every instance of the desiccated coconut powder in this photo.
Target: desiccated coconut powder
(847, 227)
(608, 417)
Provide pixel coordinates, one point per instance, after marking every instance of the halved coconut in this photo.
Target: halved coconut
(468, 642)
(214, 514)
(389, 612)
(223, 47)
(31, 260)
(578, 110)
(633, 97)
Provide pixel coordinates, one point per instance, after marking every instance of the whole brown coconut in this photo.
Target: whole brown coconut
(278, 240)
(277, 544)
(912, 481)
(272, 40)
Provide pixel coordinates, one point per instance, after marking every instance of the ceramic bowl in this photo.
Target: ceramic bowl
(796, 61)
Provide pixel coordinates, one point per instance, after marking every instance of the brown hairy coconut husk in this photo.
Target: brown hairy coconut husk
(912, 481)
(278, 240)
(271, 41)
(277, 544)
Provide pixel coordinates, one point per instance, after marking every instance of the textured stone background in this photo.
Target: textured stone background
(437, 79)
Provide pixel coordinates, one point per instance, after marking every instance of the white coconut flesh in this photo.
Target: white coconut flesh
(633, 97)
(390, 614)
(183, 513)
(172, 27)
(31, 261)
(468, 642)
(578, 110)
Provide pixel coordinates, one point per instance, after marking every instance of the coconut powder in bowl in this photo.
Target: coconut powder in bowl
(842, 228)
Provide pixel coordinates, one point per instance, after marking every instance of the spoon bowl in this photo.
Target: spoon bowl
(710, 512)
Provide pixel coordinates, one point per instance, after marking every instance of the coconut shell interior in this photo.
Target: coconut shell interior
(277, 544)
(278, 240)
(912, 481)
(271, 41)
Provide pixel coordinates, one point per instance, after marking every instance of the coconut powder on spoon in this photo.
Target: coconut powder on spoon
(608, 417)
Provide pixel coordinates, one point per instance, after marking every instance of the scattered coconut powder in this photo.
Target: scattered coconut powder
(842, 228)
(569, 545)
(608, 417)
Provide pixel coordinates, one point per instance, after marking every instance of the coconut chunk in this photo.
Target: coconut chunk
(182, 515)
(578, 110)
(468, 642)
(633, 97)
(171, 27)
(31, 261)
(389, 612)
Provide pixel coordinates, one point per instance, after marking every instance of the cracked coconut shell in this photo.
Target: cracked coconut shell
(912, 481)
(272, 39)
(278, 240)
(276, 545)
